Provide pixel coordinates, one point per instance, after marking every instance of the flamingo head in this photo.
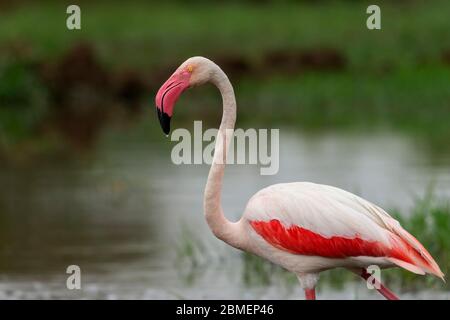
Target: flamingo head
(194, 71)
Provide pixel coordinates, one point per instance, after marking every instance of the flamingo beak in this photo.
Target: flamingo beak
(168, 95)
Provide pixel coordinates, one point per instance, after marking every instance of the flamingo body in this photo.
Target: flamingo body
(326, 227)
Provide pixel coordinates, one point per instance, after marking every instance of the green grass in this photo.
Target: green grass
(394, 78)
(23, 103)
(148, 34)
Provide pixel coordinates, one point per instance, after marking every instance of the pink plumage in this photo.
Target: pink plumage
(323, 221)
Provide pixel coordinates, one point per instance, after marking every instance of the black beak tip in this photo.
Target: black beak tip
(164, 120)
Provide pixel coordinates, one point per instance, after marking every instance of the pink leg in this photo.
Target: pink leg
(310, 294)
(388, 294)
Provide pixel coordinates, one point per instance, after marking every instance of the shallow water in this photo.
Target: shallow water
(133, 221)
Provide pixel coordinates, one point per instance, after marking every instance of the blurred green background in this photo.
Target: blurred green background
(86, 172)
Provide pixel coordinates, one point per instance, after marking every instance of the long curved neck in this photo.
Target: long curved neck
(218, 223)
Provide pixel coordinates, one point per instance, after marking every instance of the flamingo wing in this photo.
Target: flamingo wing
(319, 220)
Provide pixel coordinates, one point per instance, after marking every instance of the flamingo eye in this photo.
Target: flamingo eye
(189, 68)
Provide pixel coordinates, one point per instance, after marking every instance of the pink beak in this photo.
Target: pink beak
(168, 95)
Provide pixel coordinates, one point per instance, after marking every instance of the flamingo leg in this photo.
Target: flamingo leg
(310, 294)
(385, 292)
(308, 283)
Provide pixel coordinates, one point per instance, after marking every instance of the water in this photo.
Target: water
(133, 221)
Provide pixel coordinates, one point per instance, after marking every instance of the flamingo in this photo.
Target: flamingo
(304, 227)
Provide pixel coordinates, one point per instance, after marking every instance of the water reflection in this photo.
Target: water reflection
(127, 216)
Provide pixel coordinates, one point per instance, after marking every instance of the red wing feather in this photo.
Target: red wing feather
(298, 240)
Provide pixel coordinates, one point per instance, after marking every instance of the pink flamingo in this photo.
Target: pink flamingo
(304, 227)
